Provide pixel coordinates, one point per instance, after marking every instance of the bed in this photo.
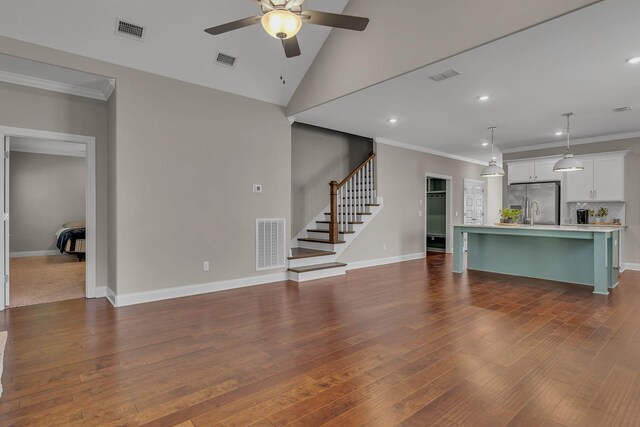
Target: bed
(71, 239)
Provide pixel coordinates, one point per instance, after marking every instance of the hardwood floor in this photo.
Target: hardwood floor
(404, 344)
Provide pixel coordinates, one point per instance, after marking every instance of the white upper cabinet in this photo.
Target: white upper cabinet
(602, 179)
(533, 171)
(579, 184)
(608, 179)
(521, 172)
(544, 171)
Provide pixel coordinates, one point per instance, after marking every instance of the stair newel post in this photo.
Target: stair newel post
(333, 224)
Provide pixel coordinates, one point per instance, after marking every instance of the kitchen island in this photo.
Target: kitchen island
(575, 254)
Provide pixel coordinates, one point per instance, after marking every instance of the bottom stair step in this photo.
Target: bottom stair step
(300, 253)
(317, 271)
(317, 267)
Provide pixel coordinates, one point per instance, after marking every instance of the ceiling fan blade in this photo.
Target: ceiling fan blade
(346, 22)
(291, 47)
(230, 26)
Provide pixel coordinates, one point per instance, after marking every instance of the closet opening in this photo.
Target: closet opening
(437, 213)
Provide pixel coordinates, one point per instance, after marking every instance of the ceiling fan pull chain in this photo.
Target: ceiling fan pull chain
(283, 71)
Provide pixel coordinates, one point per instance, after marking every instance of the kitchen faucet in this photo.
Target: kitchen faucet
(533, 213)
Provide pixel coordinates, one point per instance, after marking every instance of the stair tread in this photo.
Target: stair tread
(327, 231)
(366, 204)
(350, 222)
(299, 253)
(317, 267)
(307, 239)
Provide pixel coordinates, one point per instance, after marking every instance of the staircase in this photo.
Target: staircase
(353, 204)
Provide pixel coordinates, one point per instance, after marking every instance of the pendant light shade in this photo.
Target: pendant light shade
(568, 163)
(493, 169)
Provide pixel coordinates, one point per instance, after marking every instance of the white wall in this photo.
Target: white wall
(406, 35)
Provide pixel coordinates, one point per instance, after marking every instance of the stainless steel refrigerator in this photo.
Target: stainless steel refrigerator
(547, 195)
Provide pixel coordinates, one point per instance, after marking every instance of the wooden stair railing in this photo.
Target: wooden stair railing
(350, 197)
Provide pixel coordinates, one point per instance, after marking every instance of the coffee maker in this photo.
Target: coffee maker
(583, 216)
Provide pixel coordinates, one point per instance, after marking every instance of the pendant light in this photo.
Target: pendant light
(493, 169)
(568, 163)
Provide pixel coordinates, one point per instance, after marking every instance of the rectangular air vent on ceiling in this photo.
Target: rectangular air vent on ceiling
(128, 29)
(622, 109)
(224, 59)
(446, 75)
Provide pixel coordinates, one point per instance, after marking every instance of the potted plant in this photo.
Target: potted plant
(600, 214)
(509, 216)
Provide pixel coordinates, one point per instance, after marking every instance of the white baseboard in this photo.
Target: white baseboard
(123, 300)
(383, 261)
(630, 266)
(111, 296)
(34, 253)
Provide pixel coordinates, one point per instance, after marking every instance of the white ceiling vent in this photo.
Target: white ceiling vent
(270, 243)
(226, 60)
(446, 75)
(622, 109)
(129, 29)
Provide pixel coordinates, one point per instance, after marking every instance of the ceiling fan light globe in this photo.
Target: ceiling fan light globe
(281, 24)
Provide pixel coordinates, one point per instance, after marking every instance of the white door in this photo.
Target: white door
(473, 202)
(579, 184)
(4, 201)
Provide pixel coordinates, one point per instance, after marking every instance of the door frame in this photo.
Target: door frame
(449, 220)
(90, 196)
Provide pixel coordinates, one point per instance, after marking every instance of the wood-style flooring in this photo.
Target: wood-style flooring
(404, 344)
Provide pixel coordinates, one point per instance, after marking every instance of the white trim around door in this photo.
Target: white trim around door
(91, 221)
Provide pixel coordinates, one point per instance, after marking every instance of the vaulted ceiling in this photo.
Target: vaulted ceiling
(175, 44)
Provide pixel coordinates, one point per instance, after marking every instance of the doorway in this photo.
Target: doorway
(438, 236)
(44, 272)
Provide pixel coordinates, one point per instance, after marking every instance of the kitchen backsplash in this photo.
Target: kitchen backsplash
(616, 210)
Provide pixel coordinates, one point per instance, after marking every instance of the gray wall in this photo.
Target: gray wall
(46, 191)
(404, 37)
(319, 156)
(39, 109)
(631, 253)
(181, 166)
(401, 182)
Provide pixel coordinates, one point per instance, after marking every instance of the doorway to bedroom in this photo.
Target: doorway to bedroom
(45, 195)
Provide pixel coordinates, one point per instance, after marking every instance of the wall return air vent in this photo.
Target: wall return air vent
(130, 30)
(445, 75)
(270, 243)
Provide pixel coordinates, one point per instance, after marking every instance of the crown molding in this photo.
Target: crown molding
(421, 149)
(23, 80)
(590, 140)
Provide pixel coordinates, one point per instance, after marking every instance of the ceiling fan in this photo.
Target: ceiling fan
(283, 19)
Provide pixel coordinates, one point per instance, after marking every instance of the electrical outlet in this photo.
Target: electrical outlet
(257, 188)
(419, 213)
(384, 247)
(205, 266)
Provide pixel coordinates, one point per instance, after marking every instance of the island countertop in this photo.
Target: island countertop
(584, 228)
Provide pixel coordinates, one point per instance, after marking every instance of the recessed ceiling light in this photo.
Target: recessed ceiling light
(484, 144)
(483, 98)
(392, 121)
(634, 60)
(559, 133)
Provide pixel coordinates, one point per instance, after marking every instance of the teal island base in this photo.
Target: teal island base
(583, 255)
